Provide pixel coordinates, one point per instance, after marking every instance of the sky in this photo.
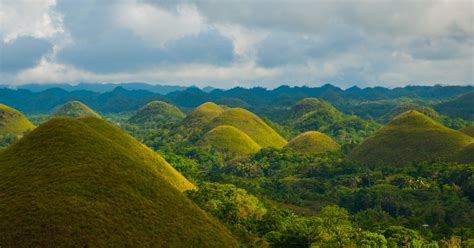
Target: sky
(244, 43)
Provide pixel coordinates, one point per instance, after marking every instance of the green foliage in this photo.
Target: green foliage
(76, 179)
(460, 107)
(13, 122)
(202, 115)
(411, 137)
(157, 111)
(75, 109)
(230, 141)
(469, 130)
(312, 142)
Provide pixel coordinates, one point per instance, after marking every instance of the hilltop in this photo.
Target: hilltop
(75, 109)
(230, 141)
(410, 137)
(157, 111)
(250, 124)
(428, 111)
(312, 142)
(13, 122)
(79, 182)
(469, 130)
(203, 114)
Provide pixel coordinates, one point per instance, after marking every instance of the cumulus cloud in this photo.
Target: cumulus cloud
(246, 43)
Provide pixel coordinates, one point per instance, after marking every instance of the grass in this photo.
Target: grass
(230, 141)
(13, 122)
(203, 115)
(69, 184)
(428, 111)
(250, 124)
(75, 109)
(469, 130)
(467, 154)
(312, 142)
(157, 111)
(411, 137)
(311, 112)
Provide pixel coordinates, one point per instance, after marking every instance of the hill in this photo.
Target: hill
(250, 124)
(230, 141)
(203, 114)
(428, 111)
(75, 109)
(410, 137)
(13, 122)
(68, 184)
(312, 142)
(467, 154)
(469, 130)
(157, 111)
(461, 107)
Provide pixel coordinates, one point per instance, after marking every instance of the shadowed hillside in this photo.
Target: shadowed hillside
(13, 122)
(74, 182)
(469, 130)
(312, 142)
(250, 124)
(411, 137)
(230, 141)
(157, 111)
(75, 109)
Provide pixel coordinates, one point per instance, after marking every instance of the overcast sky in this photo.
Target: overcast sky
(238, 43)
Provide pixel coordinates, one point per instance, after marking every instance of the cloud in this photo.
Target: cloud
(22, 53)
(226, 43)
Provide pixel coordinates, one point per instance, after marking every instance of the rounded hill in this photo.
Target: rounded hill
(67, 184)
(250, 124)
(469, 130)
(410, 137)
(312, 142)
(230, 141)
(428, 111)
(467, 154)
(13, 122)
(203, 114)
(75, 109)
(157, 111)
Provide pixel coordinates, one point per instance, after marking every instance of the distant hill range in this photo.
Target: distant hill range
(112, 98)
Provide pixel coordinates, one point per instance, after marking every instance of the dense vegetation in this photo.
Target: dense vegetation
(311, 191)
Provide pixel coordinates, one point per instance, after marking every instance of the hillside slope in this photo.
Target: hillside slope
(312, 142)
(250, 124)
(13, 122)
(411, 137)
(203, 114)
(67, 185)
(469, 130)
(230, 141)
(157, 111)
(75, 109)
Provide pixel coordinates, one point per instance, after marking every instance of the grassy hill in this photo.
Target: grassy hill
(13, 122)
(411, 137)
(203, 114)
(250, 124)
(75, 109)
(67, 184)
(230, 141)
(312, 142)
(469, 130)
(157, 111)
(428, 111)
(467, 154)
(461, 107)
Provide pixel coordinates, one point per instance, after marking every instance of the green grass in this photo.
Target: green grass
(312, 142)
(250, 124)
(411, 137)
(157, 111)
(428, 111)
(469, 130)
(230, 141)
(313, 112)
(13, 122)
(202, 115)
(69, 184)
(75, 109)
(467, 154)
